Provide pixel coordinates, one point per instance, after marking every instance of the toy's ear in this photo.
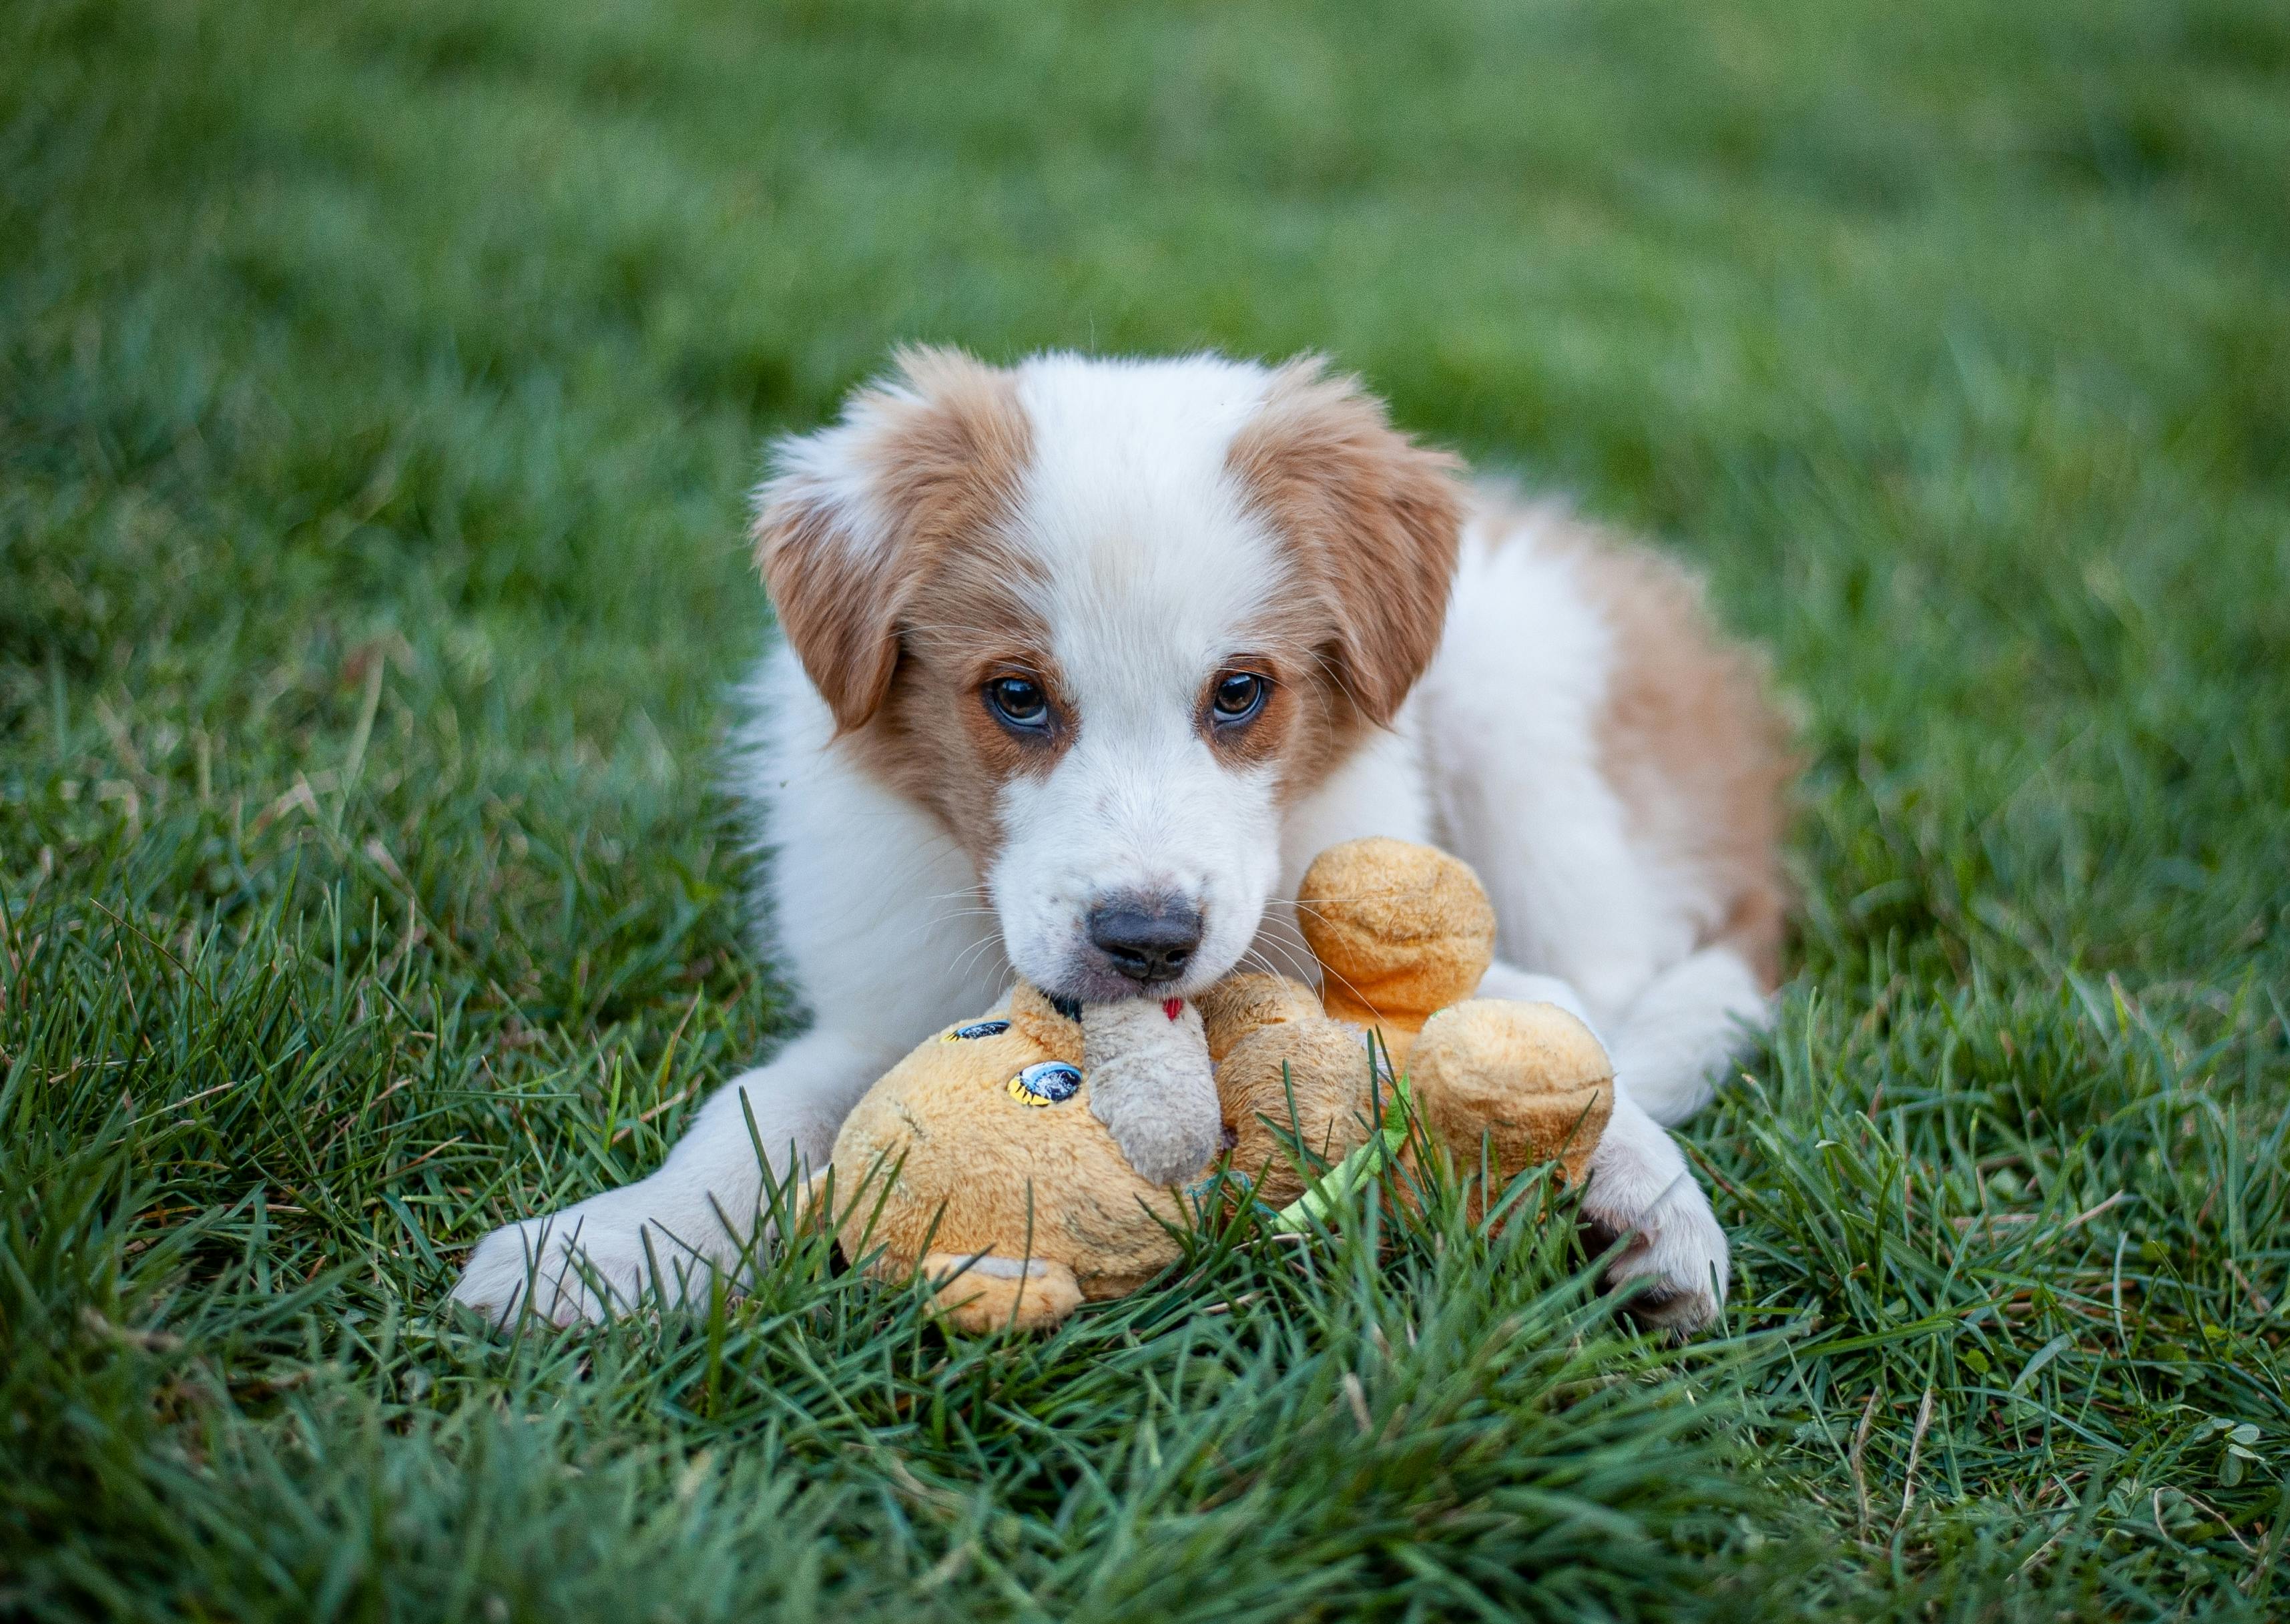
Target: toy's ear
(848, 523)
(1377, 517)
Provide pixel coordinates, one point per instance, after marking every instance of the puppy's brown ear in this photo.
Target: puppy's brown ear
(1375, 518)
(848, 524)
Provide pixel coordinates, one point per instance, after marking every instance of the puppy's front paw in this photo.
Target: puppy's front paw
(582, 1264)
(1676, 1250)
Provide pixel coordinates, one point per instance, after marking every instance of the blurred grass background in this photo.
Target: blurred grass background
(379, 385)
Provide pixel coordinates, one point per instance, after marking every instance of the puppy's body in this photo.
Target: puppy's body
(1006, 732)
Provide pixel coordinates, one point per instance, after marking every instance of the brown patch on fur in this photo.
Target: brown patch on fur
(932, 739)
(1689, 740)
(901, 640)
(947, 448)
(1374, 520)
(1321, 725)
(1260, 738)
(1309, 722)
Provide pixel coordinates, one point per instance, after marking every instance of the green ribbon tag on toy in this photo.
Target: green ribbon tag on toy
(1315, 1203)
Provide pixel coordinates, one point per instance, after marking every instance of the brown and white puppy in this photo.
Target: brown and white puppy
(1083, 661)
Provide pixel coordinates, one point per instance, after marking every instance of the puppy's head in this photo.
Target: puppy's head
(1106, 620)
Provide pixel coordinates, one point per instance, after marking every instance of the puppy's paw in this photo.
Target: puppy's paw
(582, 1264)
(1675, 1262)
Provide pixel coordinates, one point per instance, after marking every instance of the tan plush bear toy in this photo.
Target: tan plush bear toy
(979, 1158)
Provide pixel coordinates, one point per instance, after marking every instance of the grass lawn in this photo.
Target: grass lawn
(380, 381)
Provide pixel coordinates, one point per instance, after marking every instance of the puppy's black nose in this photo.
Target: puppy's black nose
(1146, 940)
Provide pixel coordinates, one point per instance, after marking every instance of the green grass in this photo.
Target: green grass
(380, 386)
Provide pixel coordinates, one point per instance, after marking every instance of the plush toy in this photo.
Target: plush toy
(982, 1156)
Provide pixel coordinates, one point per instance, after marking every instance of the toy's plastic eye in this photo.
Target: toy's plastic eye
(976, 1028)
(1050, 1083)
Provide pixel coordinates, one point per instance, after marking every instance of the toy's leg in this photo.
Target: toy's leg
(696, 1214)
(1678, 1037)
(983, 1294)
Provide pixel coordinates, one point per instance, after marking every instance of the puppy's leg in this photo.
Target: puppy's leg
(1640, 1181)
(1503, 981)
(1677, 1038)
(696, 1214)
(1640, 1185)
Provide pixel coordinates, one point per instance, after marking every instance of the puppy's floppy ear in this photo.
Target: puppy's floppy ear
(853, 515)
(1376, 518)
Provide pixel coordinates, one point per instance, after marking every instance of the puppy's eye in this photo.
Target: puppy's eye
(1239, 695)
(1019, 701)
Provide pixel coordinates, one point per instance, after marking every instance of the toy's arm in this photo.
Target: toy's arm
(1151, 1085)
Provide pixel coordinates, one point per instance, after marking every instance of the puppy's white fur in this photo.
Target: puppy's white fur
(1134, 549)
(1149, 561)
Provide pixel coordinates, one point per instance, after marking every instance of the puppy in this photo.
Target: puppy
(1084, 660)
